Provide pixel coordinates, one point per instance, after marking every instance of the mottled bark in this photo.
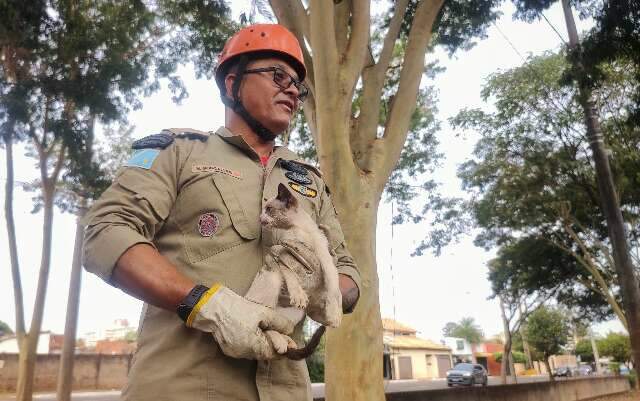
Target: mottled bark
(65, 374)
(26, 366)
(356, 162)
(11, 236)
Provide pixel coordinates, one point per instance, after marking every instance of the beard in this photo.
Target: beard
(265, 134)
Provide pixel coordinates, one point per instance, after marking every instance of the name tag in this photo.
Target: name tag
(212, 168)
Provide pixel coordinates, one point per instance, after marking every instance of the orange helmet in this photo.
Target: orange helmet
(261, 38)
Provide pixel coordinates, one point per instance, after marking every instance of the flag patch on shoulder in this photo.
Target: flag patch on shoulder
(143, 158)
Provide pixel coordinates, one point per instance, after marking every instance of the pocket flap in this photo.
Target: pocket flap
(233, 205)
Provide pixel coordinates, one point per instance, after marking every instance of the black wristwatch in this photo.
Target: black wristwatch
(190, 301)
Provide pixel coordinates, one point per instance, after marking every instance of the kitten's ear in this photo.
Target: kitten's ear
(285, 196)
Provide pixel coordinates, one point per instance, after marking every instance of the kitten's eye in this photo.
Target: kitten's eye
(269, 209)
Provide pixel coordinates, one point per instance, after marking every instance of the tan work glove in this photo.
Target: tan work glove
(237, 324)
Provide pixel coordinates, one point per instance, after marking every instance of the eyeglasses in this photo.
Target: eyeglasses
(284, 80)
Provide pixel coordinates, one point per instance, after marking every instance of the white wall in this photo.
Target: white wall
(452, 342)
(10, 345)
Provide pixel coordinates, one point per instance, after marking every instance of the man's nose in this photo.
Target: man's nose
(293, 92)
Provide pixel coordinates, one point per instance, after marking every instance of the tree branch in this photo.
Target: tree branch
(294, 16)
(397, 126)
(373, 78)
(355, 54)
(342, 15)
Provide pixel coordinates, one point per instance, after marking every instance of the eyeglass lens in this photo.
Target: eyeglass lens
(284, 80)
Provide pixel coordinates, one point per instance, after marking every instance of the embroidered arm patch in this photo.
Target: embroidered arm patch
(143, 158)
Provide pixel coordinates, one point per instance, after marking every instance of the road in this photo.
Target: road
(391, 386)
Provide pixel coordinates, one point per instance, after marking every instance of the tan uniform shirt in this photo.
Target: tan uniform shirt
(198, 202)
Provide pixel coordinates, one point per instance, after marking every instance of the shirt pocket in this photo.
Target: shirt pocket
(215, 199)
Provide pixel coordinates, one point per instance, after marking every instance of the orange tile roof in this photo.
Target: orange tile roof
(392, 325)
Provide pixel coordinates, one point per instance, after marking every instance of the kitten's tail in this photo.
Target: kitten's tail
(301, 353)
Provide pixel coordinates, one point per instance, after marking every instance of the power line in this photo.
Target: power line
(554, 29)
(509, 41)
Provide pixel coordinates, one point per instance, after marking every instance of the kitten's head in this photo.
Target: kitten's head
(278, 212)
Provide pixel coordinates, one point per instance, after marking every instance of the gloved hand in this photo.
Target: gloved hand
(237, 324)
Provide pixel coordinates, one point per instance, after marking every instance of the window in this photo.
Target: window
(460, 344)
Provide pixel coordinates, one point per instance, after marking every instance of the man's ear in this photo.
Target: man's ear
(228, 85)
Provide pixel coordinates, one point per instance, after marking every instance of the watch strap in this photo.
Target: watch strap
(190, 301)
(201, 302)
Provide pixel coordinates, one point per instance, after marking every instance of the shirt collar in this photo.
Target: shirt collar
(279, 152)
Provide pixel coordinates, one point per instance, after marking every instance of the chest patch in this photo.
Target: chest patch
(294, 167)
(301, 189)
(208, 224)
(297, 177)
(212, 168)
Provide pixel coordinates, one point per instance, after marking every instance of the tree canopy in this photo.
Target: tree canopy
(533, 189)
(5, 329)
(547, 331)
(466, 328)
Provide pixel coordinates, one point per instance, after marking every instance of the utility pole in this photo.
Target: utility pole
(608, 197)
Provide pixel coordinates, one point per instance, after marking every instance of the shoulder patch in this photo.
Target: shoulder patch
(188, 133)
(193, 136)
(143, 158)
(156, 141)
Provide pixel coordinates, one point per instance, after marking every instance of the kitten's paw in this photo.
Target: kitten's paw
(279, 341)
(299, 299)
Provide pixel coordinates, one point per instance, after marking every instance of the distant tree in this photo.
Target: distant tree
(585, 351)
(547, 332)
(466, 328)
(5, 329)
(614, 38)
(449, 328)
(518, 357)
(616, 346)
(131, 336)
(63, 66)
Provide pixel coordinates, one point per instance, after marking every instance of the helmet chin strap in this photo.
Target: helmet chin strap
(236, 105)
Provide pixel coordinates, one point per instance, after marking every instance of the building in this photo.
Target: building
(115, 347)
(461, 349)
(407, 356)
(117, 331)
(485, 355)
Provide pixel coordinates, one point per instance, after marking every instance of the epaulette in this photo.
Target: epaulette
(167, 136)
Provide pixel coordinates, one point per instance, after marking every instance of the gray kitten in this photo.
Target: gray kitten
(299, 275)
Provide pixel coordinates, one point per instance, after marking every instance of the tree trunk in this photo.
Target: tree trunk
(627, 279)
(11, 235)
(549, 372)
(357, 343)
(525, 343)
(65, 374)
(26, 366)
(594, 348)
(507, 344)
